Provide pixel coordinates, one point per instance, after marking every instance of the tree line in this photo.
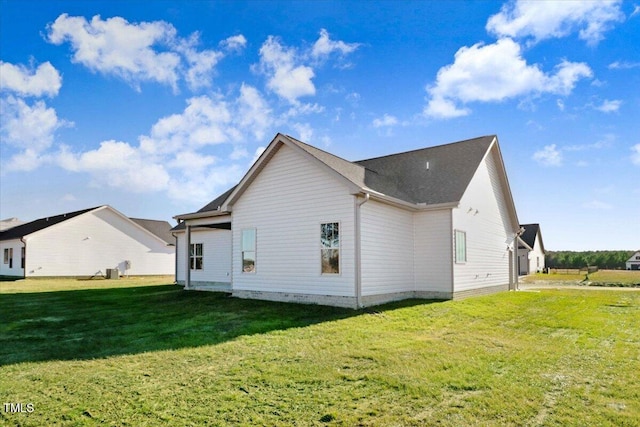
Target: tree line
(602, 259)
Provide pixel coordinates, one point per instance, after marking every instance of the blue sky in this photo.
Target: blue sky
(156, 107)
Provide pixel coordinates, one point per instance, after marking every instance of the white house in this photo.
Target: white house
(531, 251)
(87, 243)
(304, 225)
(633, 263)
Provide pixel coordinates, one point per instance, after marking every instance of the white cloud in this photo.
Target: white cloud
(234, 43)
(385, 121)
(635, 154)
(560, 104)
(43, 81)
(205, 121)
(287, 79)
(185, 154)
(493, 73)
(254, 114)
(605, 142)
(119, 165)
(324, 46)
(553, 19)
(258, 153)
(290, 72)
(114, 46)
(609, 106)
(548, 156)
(636, 11)
(26, 126)
(200, 63)
(624, 65)
(597, 205)
(305, 131)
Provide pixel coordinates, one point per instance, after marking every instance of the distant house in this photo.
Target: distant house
(531, 251)
(87, 243)
(633, 263)
(304, 225)
(8, 223)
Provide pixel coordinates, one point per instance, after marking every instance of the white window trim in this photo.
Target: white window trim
(192, 258)
(255, 251)
(339, 273)
(455, 246)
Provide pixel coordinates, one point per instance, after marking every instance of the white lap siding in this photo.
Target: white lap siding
(286, 204)
(433, 252)
(91, 243)
(387, 249)
(13, 267)
(216, 256)
(483, 216)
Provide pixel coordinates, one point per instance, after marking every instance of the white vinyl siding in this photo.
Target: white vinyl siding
(483, 215)
(286, 203)
(216, 255)
(387, 244)
(433, 251)
(92, 242)
(11, 262)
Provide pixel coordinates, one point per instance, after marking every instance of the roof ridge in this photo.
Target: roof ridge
(425, 148)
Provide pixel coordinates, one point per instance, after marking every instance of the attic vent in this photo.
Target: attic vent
(426, 166)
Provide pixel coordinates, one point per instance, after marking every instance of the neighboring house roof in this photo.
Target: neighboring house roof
(161, 229)
(426, 177)
(8, 223)
(633, 257)
(39, 224)
(531, 231)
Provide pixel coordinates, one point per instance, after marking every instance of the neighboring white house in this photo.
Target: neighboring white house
(304, 225)
(633, 263)
(87, 243)
(531, 251)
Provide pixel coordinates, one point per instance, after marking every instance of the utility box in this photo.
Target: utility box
(113, 273)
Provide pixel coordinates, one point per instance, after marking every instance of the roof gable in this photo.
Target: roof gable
(433, 176)
(40, 224)
(530, 234)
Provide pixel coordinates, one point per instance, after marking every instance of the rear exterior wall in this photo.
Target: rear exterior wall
(286, 205)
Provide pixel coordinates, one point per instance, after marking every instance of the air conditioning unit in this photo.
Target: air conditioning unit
(113, 273)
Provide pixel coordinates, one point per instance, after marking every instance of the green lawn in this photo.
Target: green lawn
(626, 278)
(132, 353)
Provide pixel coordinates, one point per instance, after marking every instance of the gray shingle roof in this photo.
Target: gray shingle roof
(161, 229)
(530, 233)
(404, 176)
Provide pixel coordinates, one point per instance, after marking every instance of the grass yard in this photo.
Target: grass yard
(136, 353)
(599, 278)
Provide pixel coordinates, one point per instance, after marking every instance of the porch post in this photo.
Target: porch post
(187, 252)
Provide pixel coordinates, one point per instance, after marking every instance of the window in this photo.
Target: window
(195, 256)
(330, 248)
(22, 257)
(8, 257)
(461, 246)
(249, 250)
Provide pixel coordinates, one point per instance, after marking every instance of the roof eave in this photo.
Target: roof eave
(198, 215)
